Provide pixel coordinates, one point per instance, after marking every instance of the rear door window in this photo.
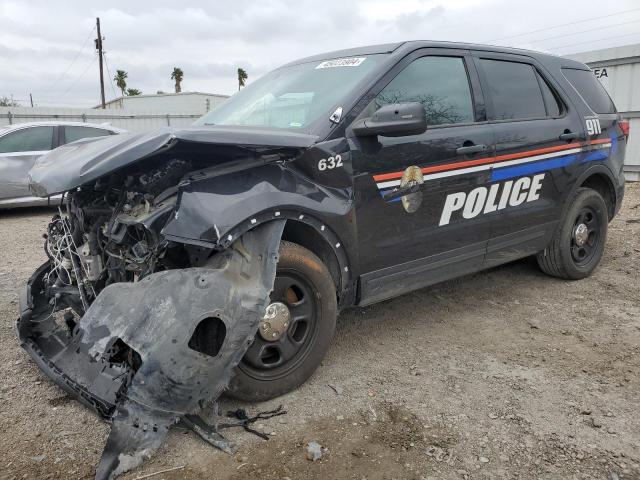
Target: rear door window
(590, 89)
(514, 90)
(33, 139)
(441, 84)
(73, 133)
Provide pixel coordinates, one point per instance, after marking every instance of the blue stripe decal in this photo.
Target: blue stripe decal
(530, 168)
(594, 156)
(384, 193)
(614, 142)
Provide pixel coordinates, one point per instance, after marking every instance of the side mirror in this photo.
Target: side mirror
(393, 120)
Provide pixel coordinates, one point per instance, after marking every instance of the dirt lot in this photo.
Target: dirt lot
(503, 374)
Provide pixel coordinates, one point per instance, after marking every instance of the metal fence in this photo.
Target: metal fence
(131, 120)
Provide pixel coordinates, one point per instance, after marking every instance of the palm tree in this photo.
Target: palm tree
(242, 78)
(132, 92)
(121, 80)
(8, 102)
(177, 75)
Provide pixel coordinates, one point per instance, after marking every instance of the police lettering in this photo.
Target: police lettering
(497, 197)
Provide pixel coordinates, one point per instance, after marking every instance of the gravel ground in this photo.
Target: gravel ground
(503, 374)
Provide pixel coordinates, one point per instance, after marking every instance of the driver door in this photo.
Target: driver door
(428, 236)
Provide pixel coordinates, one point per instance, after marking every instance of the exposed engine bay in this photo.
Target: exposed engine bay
(92, 314)
(161, 260)
(108, 232)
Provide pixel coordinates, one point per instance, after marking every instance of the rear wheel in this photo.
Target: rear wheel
(296, 331)
(578, 245)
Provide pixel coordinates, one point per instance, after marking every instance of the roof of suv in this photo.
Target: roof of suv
(402, 48)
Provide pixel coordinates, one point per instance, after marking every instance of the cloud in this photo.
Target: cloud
(46, 48)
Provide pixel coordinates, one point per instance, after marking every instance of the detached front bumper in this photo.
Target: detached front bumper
(146, 355)
(60, 354)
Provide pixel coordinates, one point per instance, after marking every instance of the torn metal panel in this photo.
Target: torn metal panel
(211, 207)
(146, 364)
(84, 161)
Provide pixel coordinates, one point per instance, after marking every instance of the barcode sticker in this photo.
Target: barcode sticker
(342, 62)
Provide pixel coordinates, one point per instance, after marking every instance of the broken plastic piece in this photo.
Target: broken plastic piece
(131, 356)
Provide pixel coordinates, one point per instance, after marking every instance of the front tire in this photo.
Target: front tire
(578, 245)
(274, 366)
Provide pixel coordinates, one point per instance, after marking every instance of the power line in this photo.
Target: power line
(582, 31)
(113, 90)
(563, 25)
(593, 41)
(84, 44)
(93, 60)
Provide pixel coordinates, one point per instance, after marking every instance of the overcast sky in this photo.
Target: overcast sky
(46, 47)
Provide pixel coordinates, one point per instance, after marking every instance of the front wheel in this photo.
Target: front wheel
(296, 331)
(577, 247)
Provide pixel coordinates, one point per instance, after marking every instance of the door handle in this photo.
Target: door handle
(568, 136)
(471, 149)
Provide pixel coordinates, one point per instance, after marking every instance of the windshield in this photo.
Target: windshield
(294, 97)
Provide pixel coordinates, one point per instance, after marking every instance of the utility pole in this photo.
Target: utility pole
(99, 48)
(31, 98)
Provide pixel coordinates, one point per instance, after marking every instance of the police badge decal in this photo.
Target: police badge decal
(411, 177)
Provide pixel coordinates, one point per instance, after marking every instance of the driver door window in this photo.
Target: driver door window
(439, 83)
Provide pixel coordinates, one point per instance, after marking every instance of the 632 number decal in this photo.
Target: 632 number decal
(330, 163)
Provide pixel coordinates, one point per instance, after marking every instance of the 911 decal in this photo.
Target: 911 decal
(497, 197)
(593, 126)
(330, 163)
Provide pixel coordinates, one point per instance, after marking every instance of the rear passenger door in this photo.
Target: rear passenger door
(537, 137)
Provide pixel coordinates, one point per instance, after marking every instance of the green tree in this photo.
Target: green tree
(121, 81)
(242, 78)
(177, 75)
(132, 92)
(7, 102)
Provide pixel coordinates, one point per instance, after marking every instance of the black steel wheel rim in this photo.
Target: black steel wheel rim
(268, 360)
(583, 252)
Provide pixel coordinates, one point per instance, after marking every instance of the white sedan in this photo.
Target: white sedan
(23, 143)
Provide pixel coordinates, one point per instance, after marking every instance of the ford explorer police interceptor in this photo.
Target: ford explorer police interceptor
(373, 171)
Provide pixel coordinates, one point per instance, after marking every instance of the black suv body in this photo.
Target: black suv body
(382, 169)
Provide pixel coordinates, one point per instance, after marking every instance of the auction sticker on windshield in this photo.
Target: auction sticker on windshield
(342, 62)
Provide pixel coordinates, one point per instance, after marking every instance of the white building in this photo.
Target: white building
(618, 69)
(194, 103)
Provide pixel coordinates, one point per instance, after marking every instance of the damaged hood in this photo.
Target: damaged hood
(80, 162)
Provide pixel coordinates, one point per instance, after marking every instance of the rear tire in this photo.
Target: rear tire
(578, 245)
(304, 285)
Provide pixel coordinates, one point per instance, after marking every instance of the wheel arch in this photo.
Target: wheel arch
(600, 179)
(307, 236)
(312, 233)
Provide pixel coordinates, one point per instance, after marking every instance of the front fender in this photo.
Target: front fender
(209, 210)
(214, 211)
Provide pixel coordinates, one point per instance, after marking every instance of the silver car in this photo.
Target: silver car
(23, 143)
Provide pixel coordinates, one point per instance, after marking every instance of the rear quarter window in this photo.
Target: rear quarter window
(589, 88)
(73, 133)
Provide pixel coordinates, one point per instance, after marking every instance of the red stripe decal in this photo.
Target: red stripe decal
(499, 158)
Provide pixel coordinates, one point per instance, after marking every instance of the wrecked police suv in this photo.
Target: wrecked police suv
(183, 263)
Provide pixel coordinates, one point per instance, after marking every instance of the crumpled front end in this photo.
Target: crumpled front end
(149, 353)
